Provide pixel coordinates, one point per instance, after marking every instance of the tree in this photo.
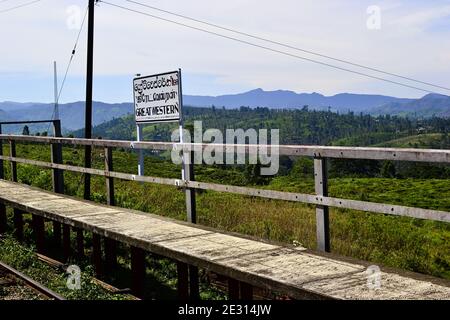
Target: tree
(26, 131)
(388, 169)
(252, 175)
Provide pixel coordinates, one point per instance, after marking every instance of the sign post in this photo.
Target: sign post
(141, 152)
(157, 99)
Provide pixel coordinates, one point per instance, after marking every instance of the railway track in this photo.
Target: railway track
(15, 285)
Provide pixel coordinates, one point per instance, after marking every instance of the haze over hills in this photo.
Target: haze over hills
(288, 99)
(428, 106)
(72, 114)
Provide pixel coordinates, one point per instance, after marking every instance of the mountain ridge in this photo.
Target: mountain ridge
(430, 105)
(72, 114)
(341, 102)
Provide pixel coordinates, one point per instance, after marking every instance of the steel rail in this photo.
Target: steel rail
(31, 283)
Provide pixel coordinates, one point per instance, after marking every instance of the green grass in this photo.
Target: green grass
(23, 258)
(411, 244)
(160, 280)
(415, 141)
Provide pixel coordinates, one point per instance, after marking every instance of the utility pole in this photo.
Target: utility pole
(88, 110)
(56, 91)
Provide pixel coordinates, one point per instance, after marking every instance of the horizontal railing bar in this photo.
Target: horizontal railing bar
(26, 121)
(91, 142)
(327, 201)
(262, 193)
(398, 154)
(98, 172)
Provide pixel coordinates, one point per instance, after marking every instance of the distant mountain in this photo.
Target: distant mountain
(10, 106)
(288, 99)
(71, 114)
(4, 116)
(428, 106)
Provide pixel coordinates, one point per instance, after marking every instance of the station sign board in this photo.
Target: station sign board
(157, 98)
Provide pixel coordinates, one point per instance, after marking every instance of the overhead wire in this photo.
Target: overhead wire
(267, 48)
(72, 55)
(19, 6)
(69, 64)
(287, 45)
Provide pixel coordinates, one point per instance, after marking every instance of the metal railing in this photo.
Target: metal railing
(320, 154)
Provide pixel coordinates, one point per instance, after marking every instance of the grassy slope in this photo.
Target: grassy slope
(416, 141)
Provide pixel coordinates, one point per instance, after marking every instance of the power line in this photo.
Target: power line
(268, 48)
(72, 55)
(288, 46)
(19, 6)
(69, 63)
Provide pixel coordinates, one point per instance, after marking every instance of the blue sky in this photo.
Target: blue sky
(413, 40)
(108, 88)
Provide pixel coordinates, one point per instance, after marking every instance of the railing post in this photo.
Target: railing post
(246, 291)
(183, 281)
(56, 152)
(12, 153)
(188, 286)
(233, 289)
(39, 232)
(194, 289)
(188, 163)
(322, 214)
(110, 244)
(109, 180)
(66, 242)
(191, 211)
(80, 243)
(57, 233)
(138, 271)
(57, 177)
(2, 172)
(110, 255)
(18, 224)
(3, 219)
(18, 214)
(97, 254)
(239, 290)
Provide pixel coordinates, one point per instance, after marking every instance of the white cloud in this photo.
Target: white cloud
(422, 18)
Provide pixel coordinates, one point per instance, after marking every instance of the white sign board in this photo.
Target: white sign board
(157, 98)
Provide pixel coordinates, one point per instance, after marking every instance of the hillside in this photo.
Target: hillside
(343, 102)
(428, 140)
(431, 105)
(71, 114)
(296, 126)
(4, 116)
